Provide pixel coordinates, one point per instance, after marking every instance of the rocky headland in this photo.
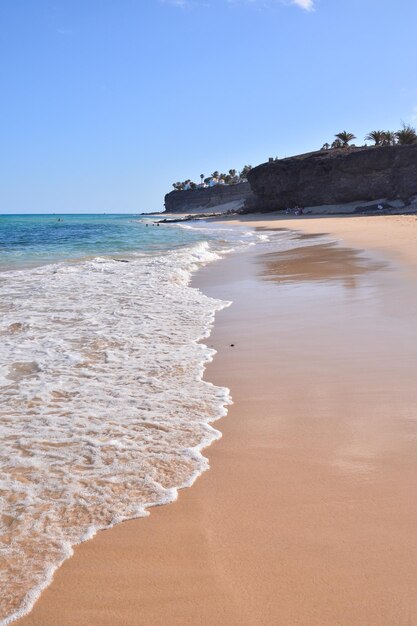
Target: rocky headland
(329, 181)
(336, 177)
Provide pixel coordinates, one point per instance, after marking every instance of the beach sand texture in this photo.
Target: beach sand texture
(308, 514)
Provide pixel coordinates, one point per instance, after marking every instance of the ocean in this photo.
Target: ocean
(103, 410)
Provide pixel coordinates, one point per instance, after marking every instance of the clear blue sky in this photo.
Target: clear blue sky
(105, 103)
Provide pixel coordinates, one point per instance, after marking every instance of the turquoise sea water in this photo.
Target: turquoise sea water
(27, 240)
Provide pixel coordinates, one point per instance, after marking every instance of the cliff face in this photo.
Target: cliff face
(195, 200)
(335, 177)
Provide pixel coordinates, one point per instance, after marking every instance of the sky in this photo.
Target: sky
(105, 103)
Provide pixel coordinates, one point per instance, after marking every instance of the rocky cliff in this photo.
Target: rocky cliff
(210, 198)
(335, 177)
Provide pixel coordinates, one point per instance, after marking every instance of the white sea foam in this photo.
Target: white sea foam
(103, 409)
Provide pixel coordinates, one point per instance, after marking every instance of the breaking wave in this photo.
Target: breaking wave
(103, 409)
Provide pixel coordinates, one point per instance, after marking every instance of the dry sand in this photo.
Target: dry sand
(308, 514)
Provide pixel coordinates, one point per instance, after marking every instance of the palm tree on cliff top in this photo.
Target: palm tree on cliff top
(377, 136)
(407, 135)
(245, 170)
(389, 139)
(345, 138)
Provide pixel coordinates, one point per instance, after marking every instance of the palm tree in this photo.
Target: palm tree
(336, 144)
(407, 135)
(215, 174)
(345, 137)
(232, 173)
(389, 138)
(201, 178)
(377, 136)
(243, 174)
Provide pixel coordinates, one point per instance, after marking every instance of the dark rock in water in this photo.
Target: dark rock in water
(335, 177)
(205, 198)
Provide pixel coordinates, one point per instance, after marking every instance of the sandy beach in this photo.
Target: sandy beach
(308, 513)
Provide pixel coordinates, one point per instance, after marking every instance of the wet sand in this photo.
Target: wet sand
(308, 513)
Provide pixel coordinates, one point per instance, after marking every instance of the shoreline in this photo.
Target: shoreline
(274, 532)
